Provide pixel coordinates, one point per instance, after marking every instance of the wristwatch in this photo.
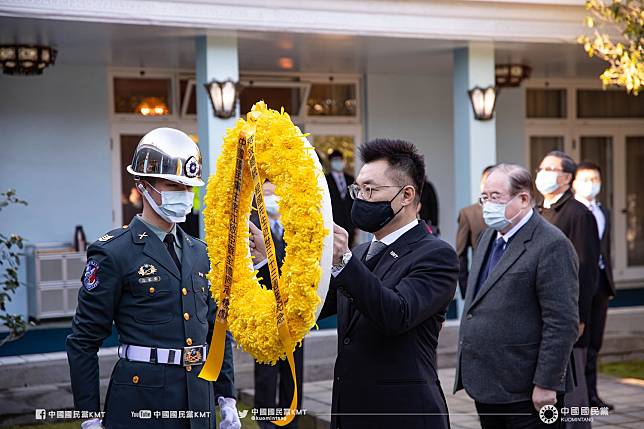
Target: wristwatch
(344, 261)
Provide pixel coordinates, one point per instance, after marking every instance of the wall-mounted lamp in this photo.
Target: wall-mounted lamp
(223, 96)
(483, 102)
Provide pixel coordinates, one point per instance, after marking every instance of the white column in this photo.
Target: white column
(474, 141)
(216, 59)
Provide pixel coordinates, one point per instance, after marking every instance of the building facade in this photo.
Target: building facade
(346, 71)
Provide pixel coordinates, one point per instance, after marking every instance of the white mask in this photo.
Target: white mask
(271, 202)
(588, 190)
(337, 165)
(547, 181)
(175, 205)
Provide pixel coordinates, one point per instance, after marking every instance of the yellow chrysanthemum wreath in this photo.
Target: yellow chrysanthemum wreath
(284, 159)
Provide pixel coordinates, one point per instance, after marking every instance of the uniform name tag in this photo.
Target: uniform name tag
(146, 280)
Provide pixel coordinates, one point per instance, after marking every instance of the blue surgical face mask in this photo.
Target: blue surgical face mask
(588, 190)
(494, 215)
(175, 205)
(546, 181)
(337, 165)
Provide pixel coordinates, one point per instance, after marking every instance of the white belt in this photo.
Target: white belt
(194, 355)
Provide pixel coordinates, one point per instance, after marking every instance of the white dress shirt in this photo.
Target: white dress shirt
(508, 235)
(388, 239)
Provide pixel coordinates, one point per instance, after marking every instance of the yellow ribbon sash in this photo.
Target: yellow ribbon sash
(215, 358)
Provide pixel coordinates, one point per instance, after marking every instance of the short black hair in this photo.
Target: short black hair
(567, 163)
(335, 153)
(402, 156)
(589, 165)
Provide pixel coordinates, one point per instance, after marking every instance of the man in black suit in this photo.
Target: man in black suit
(470, 228)
(520, 315)
(274, 383)
(391, 296)
(587, 186)
(554, 179)
(341, 203)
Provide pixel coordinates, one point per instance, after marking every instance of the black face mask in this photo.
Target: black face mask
(371, 216)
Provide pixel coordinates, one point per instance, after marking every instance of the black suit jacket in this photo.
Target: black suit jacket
(341, 206)
(604, 249)
(388, 325)
(577, 223)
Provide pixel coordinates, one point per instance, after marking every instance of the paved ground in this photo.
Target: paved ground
(626, 395)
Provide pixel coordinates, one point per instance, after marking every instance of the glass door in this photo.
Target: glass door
(628, 210)
(345, 138)
(599, 150)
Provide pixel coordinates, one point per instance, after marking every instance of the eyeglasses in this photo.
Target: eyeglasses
(364, 192)
(558, 170)
(495, 198)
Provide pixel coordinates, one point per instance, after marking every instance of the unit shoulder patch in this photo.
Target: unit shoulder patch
(90, 275)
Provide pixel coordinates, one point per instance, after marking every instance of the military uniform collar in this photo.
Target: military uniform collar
(161, 233)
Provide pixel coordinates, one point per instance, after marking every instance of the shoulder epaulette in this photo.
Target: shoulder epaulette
(106, 238)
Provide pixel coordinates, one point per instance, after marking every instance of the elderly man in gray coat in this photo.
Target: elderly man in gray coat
(520, 318)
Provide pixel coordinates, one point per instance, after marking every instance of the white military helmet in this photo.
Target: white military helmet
(169, 154)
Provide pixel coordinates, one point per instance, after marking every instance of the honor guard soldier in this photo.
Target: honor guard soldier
(149, 278)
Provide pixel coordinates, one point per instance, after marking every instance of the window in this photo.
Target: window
(596, 103)
(187, 97)
(143, 96)
(539, 148)
(276, 97)
(599, 149)
(546, 103)
(634, 200)
(328, 99)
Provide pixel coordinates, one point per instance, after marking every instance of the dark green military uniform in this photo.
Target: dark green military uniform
(131, 280)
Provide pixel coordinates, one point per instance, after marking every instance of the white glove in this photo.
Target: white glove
(92, 424)
(229, 416)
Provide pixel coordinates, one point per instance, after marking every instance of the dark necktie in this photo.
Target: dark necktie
(495, 257)
(374, 249)
(169, 244)
(341, 184)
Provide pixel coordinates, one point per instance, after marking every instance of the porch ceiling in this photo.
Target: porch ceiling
(121, 45)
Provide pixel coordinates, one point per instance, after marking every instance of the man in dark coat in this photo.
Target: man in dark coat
(520, 315)
(587, 186)
(391, 297)
(556, 173)
(338, 181)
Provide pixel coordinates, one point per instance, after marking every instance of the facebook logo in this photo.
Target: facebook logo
(41, 414)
